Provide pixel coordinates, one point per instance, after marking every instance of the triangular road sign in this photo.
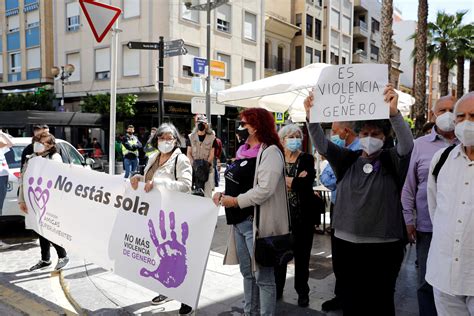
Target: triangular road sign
(101, 17)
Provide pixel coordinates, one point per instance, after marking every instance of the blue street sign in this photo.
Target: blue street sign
(199, 66)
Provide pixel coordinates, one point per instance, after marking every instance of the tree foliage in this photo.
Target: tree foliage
(100, 103)
(39, 101)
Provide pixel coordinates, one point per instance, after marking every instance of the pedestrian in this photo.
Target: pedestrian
(217, 161)
(414, 195)
(168, 168)
(451, 205)
(130, 147)
(5, 145)
(202, 142)
(149, 149)
(44, 145)
(370, 233)
(268, 194)
(38, 129)
(342, 135)
(305, 208)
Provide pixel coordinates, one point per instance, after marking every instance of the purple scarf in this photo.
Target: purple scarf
(245, 151)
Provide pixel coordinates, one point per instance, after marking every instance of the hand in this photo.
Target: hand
(289, 181)
(308, 103)
(229, 201)
(411, 233)
(391, 96)
(303, 174)
(23, 207)
(148, 186)
(134, 182)
(217, 198)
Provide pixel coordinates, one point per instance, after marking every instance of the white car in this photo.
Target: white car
(69, 154)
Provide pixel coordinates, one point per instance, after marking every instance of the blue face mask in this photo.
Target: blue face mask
(336, 139)
(293, 144)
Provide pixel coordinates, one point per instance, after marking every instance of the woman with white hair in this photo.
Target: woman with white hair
(305, 207)
(167, 168)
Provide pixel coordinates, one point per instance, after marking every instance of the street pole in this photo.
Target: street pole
(61, 108)
(113, 98)
(161, 102)
(208, 78)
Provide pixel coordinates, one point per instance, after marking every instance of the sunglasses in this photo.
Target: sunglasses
(243, 123)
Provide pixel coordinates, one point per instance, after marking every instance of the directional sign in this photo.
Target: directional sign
(174, 44)
(218, 68)
(176, 52)
(101, 17)
(144, 45)
(199, 66)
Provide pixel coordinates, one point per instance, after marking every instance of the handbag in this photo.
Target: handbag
(274, 250)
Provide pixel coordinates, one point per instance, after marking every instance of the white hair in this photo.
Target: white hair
(289, 130)
(445, 97)
(462, 99)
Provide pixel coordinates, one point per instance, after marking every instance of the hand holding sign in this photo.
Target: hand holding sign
(391, 96)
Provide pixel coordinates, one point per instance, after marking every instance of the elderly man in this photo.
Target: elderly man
(414, 199)
(451, 206)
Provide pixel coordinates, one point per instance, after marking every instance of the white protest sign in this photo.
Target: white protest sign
(350, 93)
(159, 240)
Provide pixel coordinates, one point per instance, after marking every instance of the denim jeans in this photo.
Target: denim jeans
(130, 166)
(262, 284)
(3, 190)
(426, 303)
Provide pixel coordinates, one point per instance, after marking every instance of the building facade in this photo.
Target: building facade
(338, 33)
(367, 18)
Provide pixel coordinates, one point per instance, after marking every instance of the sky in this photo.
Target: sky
(410, 8)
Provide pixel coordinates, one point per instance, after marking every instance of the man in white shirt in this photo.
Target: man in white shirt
(450, 266)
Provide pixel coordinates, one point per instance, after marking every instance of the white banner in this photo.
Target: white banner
(350, 93)
(160, 239)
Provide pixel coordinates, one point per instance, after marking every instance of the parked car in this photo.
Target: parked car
(69, 154)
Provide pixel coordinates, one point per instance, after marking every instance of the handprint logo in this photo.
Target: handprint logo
(172, 268)
(38, 196)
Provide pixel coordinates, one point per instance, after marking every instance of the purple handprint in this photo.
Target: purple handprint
(39, 197)
(172, 268)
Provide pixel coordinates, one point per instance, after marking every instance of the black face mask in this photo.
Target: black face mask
(201, 127)
(243, 134)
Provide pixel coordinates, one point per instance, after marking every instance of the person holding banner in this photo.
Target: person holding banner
(167, 168)
(266, 191)
(44, 145)
(369, 227)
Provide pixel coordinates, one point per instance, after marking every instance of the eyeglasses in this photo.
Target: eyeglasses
(168, 139)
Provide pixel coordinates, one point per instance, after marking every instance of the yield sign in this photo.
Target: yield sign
(100, 16)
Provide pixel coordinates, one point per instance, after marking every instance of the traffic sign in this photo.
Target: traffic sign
(101, 17)
(199, 66)
(279, 118)
(198, 105)
(176, 52)
(144, 45)
(174, 44)
(218, 68)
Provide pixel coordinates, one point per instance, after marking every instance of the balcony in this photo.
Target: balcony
(362, 5)
(360, 57)
(360, 29)
(276, 65)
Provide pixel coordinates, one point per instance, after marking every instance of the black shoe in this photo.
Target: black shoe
(40, 265)
(332, 305)
(185, 310)
(303, 301)
(160, 299)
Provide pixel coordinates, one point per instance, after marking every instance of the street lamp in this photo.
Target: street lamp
(62, 73)
(207, 7)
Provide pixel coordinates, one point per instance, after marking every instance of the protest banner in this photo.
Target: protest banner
(159, 240)
(350, 93)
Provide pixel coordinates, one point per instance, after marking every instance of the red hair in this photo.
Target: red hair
(264, 124)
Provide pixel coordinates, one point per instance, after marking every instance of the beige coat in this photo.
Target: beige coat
(269, 192)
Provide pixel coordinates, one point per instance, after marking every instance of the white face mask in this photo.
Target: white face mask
(445, 122)
(165, 146)
(465, 132)
(38, 147)
(371, 144)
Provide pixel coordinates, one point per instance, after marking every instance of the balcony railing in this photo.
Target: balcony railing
(277, 64)
(361, 24)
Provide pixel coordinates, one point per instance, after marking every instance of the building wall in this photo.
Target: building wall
(401, 32)
(367, 14)
(339, 15)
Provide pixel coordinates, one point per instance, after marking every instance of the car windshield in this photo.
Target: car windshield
(13, 156)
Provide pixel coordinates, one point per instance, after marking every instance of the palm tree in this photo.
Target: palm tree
(420, 65)
(471, 73)
(386, 45)
(464, 48)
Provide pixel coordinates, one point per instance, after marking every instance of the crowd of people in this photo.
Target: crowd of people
(387, 190)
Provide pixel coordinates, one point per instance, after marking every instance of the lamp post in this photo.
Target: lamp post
(207, 7)
(62, 73)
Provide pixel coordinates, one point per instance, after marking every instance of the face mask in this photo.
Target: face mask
(371, 144)
(465, 133)
(38, 147)
(293, 144)
(201, 127)
(336, 139)
(166, 146)
(243, 134)
(445, 122)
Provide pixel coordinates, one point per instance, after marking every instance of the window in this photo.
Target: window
(32, 19)
(335, 18)
(309, 25)
(190, 15)
(374, 52)
(223, 16)
(131, 61)
(250, 71)
(72, 16)
(13, 23)
(33, 58)
(15, 62)
(131, 8)
(1, 69)
(281, 51)
(346, 24)
(298, 57)
(298, 23)
(102, 63)
(375, 26)
(187, 60)
(250, 26)
(75, 60)
(343, 60)
(267, 55)
(226, 59)
(317, 56)
(317, 29)
(308, 56)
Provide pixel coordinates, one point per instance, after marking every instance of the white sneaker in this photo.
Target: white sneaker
(4, 246)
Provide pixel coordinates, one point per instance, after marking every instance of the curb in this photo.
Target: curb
(67, 293)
